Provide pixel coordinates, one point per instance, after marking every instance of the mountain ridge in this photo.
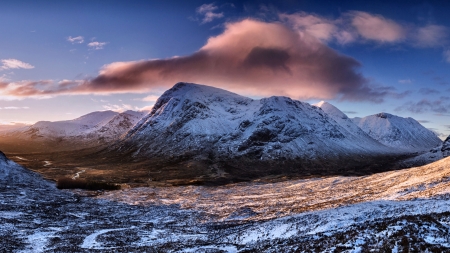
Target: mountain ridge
(397, 132)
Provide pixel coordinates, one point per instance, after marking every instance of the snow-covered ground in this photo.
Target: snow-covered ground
(399, 209)
(271, 200)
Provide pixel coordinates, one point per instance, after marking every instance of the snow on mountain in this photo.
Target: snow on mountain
(12, 174)
(103, 123)
(432, 155)
(198, 120)
(445, 149)
(76, 127)
(401, 133)
(352, 129)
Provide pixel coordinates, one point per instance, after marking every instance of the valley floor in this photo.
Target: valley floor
(389, 212)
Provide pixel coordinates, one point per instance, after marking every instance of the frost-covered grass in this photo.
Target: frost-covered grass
(37, 217)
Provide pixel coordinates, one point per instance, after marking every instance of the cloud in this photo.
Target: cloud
(249, 57)
(405, 81)
(150, 98)
(440, 106)
(447, 55)
(15, 64)
(430, 36)
(361, 27)
(428, 91)
(376, 27)
(350, 112)
(207, 11)
(120, 108)
(423, 121)
(96, 45)
(319, 27)
(14, 108)
(146, 108)
(75, 40)
(12, 125)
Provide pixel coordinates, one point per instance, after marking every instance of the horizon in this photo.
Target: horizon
(71, 58)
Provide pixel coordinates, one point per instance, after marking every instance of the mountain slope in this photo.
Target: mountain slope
(352, 129)
(96, 128)
(199, 119)
(14, 175)
(401, 133)
(218, 133)
(432, 155)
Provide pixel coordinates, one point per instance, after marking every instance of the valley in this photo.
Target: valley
(207, 170)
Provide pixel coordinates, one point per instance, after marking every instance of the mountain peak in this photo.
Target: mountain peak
(331, 110)
(322, 103)
(398, 132)
(384, 115)
(195, 92)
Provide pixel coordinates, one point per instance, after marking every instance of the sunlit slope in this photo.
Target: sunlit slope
(268, 200)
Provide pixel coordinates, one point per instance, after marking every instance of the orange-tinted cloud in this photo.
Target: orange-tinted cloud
(250, 57)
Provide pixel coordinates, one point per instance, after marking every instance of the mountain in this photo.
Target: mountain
(89, 130)
(348, 124)
(198, 119)
(397, 132)
(434, 154)
(212, 128)
(14, 175)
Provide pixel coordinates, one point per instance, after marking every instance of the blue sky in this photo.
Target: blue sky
(63, 59)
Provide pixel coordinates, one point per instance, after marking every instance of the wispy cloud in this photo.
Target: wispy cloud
(430, 36)
(441, 106)
(428, 91)
(150, 98)
(208, 12)
(15, 64)
(14, 108)
(447, 55)
(119, 107)
(362, 27)
(377, 27)
(405, 81)
(75, 40)
(96, 45)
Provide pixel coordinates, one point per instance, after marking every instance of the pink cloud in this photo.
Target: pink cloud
(430, 36)
(249, 57)
(376, 27)
(316, 26)
(358, 26)
(207, 10)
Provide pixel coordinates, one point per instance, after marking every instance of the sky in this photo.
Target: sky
(62, 59)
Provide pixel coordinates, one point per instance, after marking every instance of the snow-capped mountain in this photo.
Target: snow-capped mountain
(348, 124)
(67, 128)
(205, 122)
(89, 130)
(401, 133)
